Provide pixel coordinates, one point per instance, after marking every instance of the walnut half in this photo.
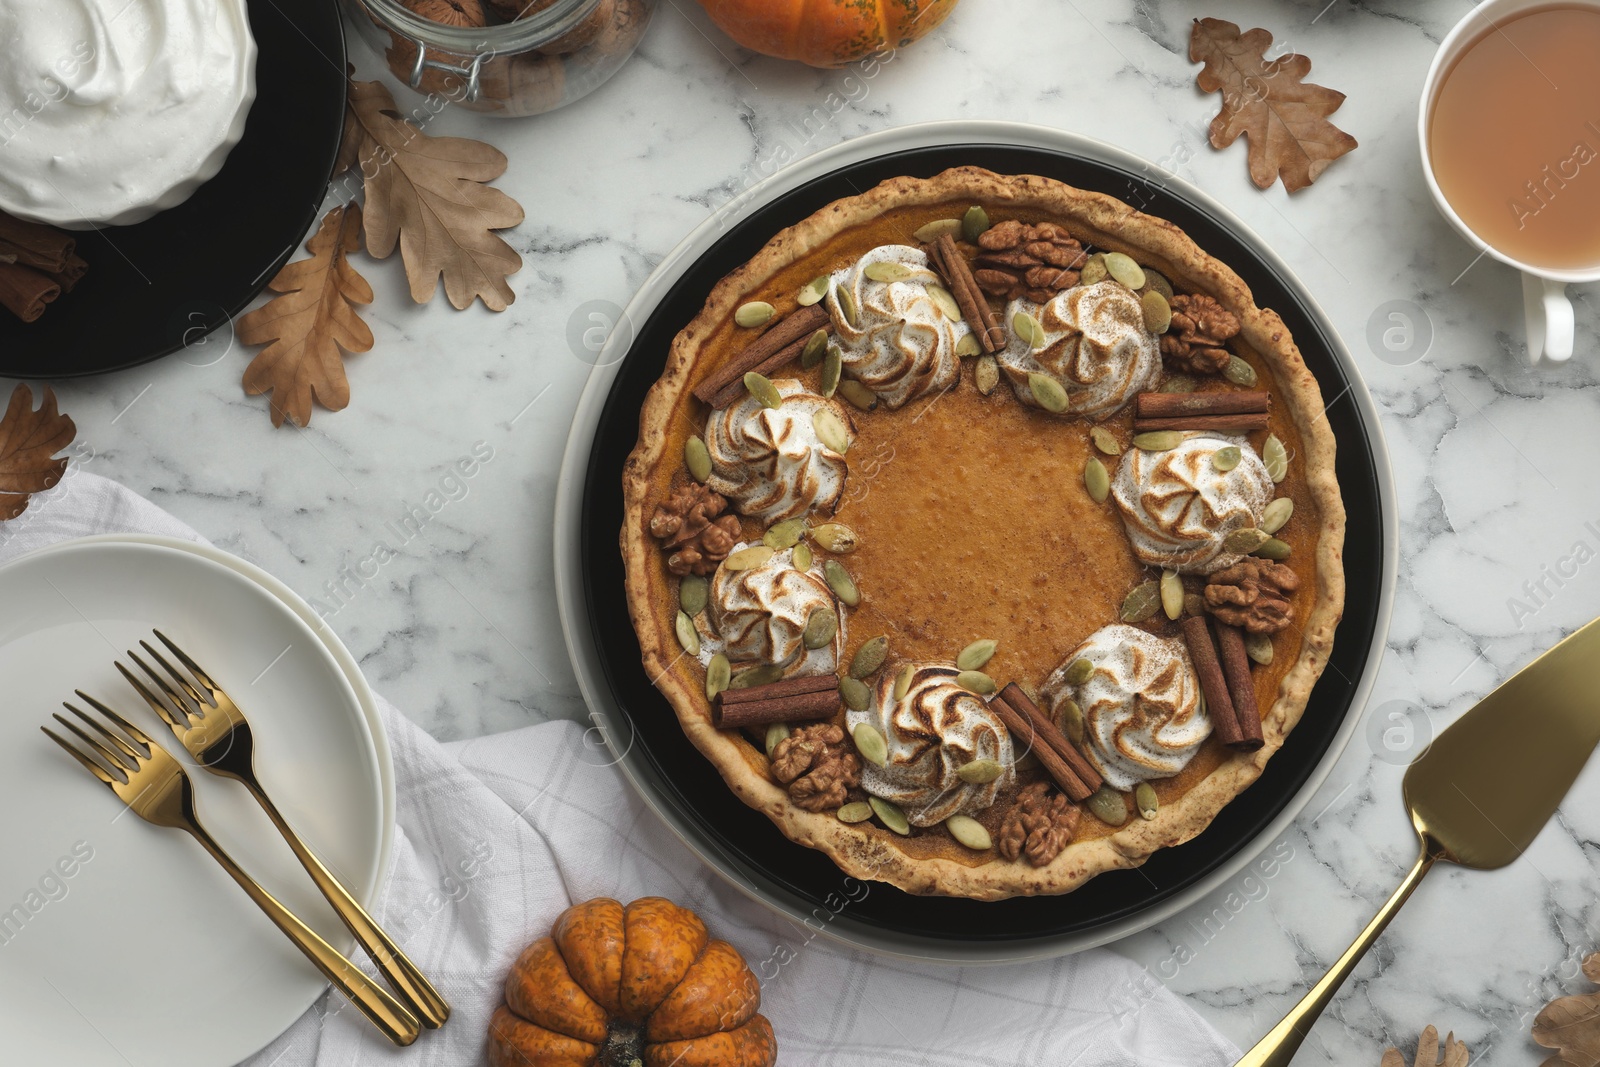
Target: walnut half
(1039, 825)
(1196, 341)
(814, 763)
(690, 523)
(1253, 595)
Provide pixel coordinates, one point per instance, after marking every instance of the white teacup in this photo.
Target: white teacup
(1546, 308)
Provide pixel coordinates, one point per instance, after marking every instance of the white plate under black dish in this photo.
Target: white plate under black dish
(741, 843)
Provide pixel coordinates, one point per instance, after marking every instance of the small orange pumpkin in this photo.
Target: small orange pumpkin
(616, 986)
(826, 33)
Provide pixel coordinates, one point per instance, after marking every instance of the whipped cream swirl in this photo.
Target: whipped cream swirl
(933, 731)
(1095, 344)
(758, 616)
(113, 110)
(1143, 717)
(903, 344)
(1178, 508)
(770, 461)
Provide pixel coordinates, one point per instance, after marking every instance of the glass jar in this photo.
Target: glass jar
(557, 52)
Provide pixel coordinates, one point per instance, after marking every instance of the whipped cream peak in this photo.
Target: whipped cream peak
(770, 462)
(1094, 344)
(933, 731)
(1178, 508)
(113, 110)
(1143, 716)
(903, 343)
(759, 616)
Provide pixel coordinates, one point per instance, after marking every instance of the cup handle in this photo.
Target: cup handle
(1549, 317)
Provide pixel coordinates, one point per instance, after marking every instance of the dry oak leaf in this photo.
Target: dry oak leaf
(311, 325)
(1284, 118)
(428, 195)
(29, 441)
(1571, 1025)
(1454, 1053)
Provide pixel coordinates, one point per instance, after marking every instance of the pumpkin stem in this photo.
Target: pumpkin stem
(624, 1046)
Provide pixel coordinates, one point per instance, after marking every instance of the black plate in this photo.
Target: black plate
(162, 284)
(808, 878)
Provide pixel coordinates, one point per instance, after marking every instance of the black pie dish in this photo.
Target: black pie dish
(165, 283)
(745, 842)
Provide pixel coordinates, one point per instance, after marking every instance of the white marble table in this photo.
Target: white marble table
(1495, 462)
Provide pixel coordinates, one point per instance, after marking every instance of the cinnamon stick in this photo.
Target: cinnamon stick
(957, 274)
(1242, 423)
(795, 326)
(34, 244)
(796, 707)
(1169, 405)
(25, 292)
(70, 274)
(1241, 686)
(1025, 738)
(735, 389)
(1213, 682)
(810, 683)
(1045, 726)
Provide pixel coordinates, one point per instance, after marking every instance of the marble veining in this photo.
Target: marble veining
(1499, 490)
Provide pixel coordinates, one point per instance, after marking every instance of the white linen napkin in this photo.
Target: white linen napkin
(497, 835)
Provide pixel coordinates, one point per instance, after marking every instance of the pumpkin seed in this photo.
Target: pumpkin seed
(986, 374)
(1078, 671)
(813, 291)
(968, 346)
(1047, 392)
(974, 223)
(870, 743)
(1105, 440)
(975, 655)
(1179, 383)
(785, 534)
(1097, 480)
(1123, 269)
(1094, 271)
(1272, 548)
(1146, 800)
(844, 587)
(688, 636)
(1158, 440)
(1171, 594)
(936, 229)
(749, 558)
(1245, 541)
(821, 627)
(902, 681)
(946, 301)
(847, 307)
(693, 592)
(1108, 806)
(835, 537)
(1157, 312)
(979, 771)
(717, 675)
(1028, 329)
(831, 430)
(1071, 721)
(816, 347)
(869, 657)
(1259, 648)
(1194, 604)
(776, 732)
(832, 368)
(761, 674)
(753, 314)
(976, 682)
(802, 557)
(1277, 514)
(1276, 457)
(969, 832)
(856, 811)
(1239, 372)
(1142, 603)
(1155, 281)
(859, 395)
(855, 694)
(763, 390)
(697, 457)
(890, 815)
(887, 270)
(1226, 458)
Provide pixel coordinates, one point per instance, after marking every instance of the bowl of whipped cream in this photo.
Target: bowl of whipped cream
(112, 111)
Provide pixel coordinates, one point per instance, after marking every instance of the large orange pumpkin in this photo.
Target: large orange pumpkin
(616, 986)
(826, 33)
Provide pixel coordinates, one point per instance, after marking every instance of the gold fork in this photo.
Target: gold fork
(215, 732)
(155, 786)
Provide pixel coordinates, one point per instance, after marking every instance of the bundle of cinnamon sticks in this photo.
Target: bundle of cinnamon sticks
(1033, 731)
(1225, 679)
(37, 264)
(1233, 411)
